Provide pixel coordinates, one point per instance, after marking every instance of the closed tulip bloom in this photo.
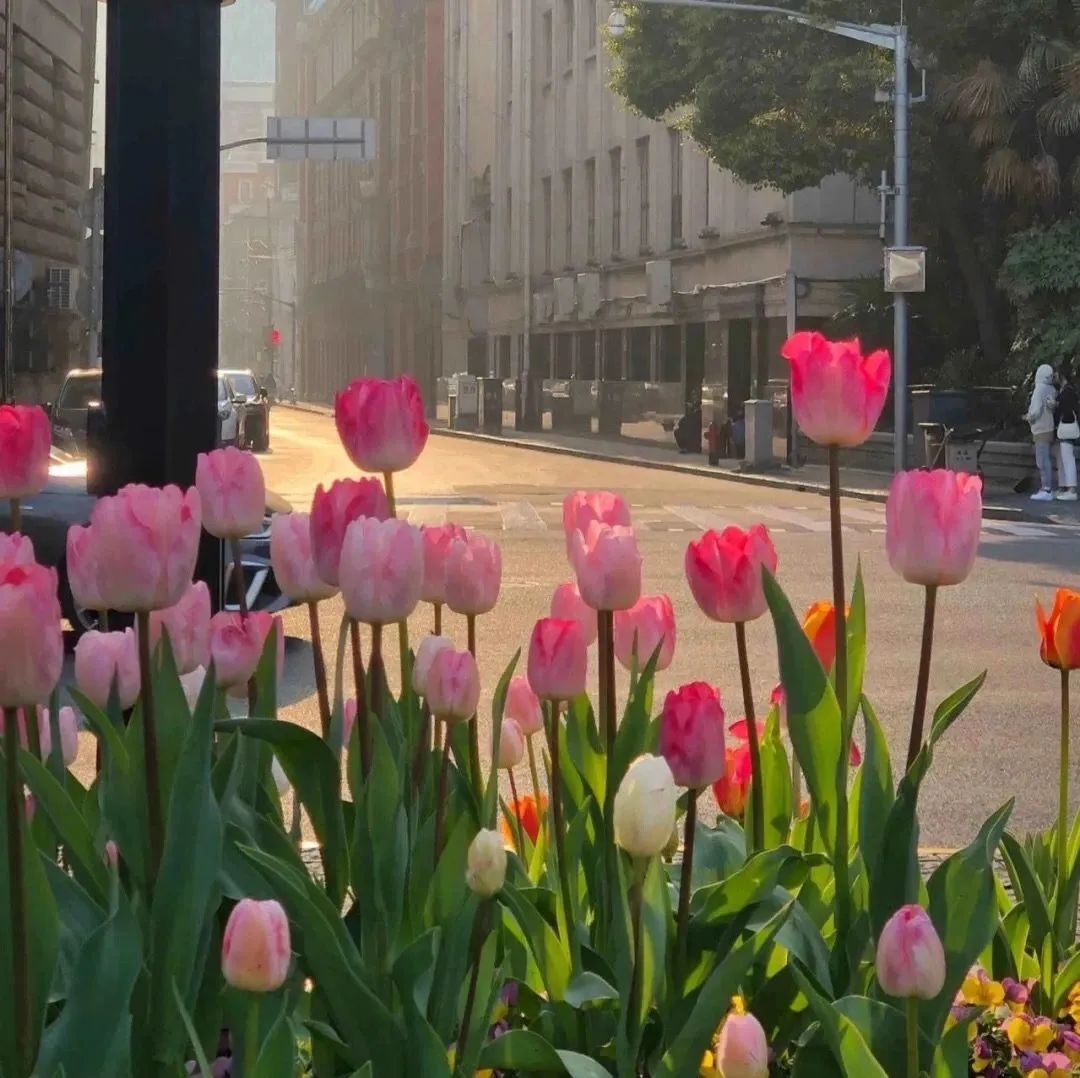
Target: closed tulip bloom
(837, 393)
(567, 603)
(82, 568)
(932, 524)
(16, 549)
(910, 960)
(523, 706)
(237, 642)
(381, 423)
(724, 570)
(819, 624)
(651, 623)
(232, 491)
(485, 873)
(644, 812)
(147, 540)
(437, 543)
(473, 575)
(382, 570)
(25, 441)
(741, 1049)
(69, 733)
(31, 642)
(528, 809)
(256, 950)
(192, 685)
(511, 745)
(429, 647)
(582, 507)
(453, 686)
(692, 735)
(333, 510)
(101, 657)
(188, 626)
(558, 660)
(293, 559)
(1059, 631)
(732, 789)
(608, 566)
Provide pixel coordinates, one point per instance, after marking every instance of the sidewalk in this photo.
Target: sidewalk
(811, 478)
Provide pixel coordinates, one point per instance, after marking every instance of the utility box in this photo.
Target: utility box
(759, 434)
(491, 405)
(609, 407)
(464, 399)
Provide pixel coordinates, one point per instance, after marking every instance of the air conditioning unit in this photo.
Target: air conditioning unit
(62, 288)
(658, 273)
(542, 308)
(565, 299)
(588, 294)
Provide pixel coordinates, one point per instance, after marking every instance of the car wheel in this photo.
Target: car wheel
(84, 621)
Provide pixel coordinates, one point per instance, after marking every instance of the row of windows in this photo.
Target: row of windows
(569, 33)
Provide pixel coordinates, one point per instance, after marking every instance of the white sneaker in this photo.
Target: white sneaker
(1043, 496)
(1066, 496)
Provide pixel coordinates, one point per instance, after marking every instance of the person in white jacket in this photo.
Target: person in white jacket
(1040, 417)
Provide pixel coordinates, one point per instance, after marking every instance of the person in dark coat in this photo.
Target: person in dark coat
(1067, 427)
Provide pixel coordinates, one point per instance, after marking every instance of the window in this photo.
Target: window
(545, 184)
(590, 209)
(643, 189)
(586, 356)
(244, 192)
(640, 358)
(547, 51)
(570, 29)
(502, 357)
(564, 355)
(676, 187)
(615, 160)
(591, 24)
(568, 215)
(508, 251)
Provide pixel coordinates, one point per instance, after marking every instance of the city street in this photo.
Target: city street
(1004, 746)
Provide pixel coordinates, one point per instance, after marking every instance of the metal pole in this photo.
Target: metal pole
(900, 239)
(9, 200)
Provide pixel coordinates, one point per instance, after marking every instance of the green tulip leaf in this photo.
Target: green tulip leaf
(551, 956)
(842, 1035)
(528, 1052)
(876, 794)
(1028, 890)
(856, 651)
(498, 707)
(776, 784)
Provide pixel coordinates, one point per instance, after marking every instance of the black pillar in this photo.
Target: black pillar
(160, 299)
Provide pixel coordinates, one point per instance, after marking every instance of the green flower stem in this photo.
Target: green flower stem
(520, 827)
(423, 744)
(440, 801)
(682, 922)
(1063, 788)
(103, 620)
(16, 516)
(238, 576)
(388, 486)
(320, 669)
(251, 1036)
(605, 626)
(20, 959)
(362, 718)
(922, 685)
(912, 1037)
(535, 774)
(637, 887)
(757, 791)
(150, 750)
(480, 930)
(557, 824)
(474, 730)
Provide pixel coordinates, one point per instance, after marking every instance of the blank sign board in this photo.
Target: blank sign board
(318, 138)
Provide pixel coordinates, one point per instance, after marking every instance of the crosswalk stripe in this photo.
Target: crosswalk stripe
(864, 516)
(432, 515)
(521, 516)
(1019, 531)
(706, 519)
(790, 516)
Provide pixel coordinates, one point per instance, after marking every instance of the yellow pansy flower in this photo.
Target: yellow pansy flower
(1029, 1036)
(982, 992)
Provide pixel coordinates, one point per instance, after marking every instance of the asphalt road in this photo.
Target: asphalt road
(1005, 746)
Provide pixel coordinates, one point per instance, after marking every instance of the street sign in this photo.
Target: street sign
(319, 138)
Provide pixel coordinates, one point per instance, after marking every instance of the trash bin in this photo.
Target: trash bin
(583, 397)
(464, 402)
(609, 407)
(529, 404)
(491, 405)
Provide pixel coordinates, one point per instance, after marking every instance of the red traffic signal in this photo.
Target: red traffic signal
(275, 337)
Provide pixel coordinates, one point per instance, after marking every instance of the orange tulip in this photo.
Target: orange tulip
(820, 628)
(528, 810)
(1060, 631)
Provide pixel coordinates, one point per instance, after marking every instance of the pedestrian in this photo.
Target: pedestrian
(1040, 417)
(1067, 421)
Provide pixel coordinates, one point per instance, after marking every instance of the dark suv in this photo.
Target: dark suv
(254, 404)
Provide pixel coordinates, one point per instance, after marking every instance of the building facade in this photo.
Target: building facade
(588, 243)
(370, 235)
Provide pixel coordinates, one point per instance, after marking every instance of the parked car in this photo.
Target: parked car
(80, 390)
(254, 404)
(47, 516)
(228, 413)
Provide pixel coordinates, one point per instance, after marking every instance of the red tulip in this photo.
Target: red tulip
(837, 393)
(232, 492)
(608, 566)
(523, 706)
(256, 950)
(651, 622)
(25, 442)
(333, 510)
(188, 626)
(293, 560)
(724, 570)
(382, 570)
(82, 568)
(453, 686)
(557, 659)
(692, 735)
(910, 960)
(237, 642)
(437, 543)
(381, 423)
(567, 603)
(30, 639)
(529, 809)
(102, 657)
(473, 575)
(582, 507)
(932, 524)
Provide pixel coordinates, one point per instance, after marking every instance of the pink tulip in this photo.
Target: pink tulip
(188, 626)
(557, 659)
(237, 642)
(25, 442)
(692, 735)
(651, 621)
(102, 657)
(16, 549)
(910, 960)
(741, 1049)
(837, 393)
(582, 507)
(430, 646)
(381, 423)
(256, 950)
(232, 491)
(932, 523)
(192, 685)
(69, 734)
(724, 572)
(473, 575)
(511, 745)
(523, 706)
(608, 566)
(293, 560)
(146, 541)
(82, 568)
(453, 686)
(437, 543)
(567, 603)
(382, 570)
(333, 510)
(30, 639)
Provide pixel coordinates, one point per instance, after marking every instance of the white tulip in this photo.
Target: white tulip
(486, 873)
(645, 807)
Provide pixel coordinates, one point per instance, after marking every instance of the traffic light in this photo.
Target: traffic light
(275, 337)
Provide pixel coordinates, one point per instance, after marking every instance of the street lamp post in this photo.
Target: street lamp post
(895, 40)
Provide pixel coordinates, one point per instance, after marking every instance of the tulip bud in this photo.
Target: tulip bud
(381, 423)
(645, 803)
(31, 642)
(486, 871)
(256, 950)
(232, 492)
(649, 624)
(557, 660)
(692, 735)
(567, 604)
(102, 657)
(453, 686)
(511, 745)
(910, 960)
(724, 570)
(1060, 630)
(25, 440)
(741, 1049)
(608, 566)
(237, 642)
(429, 647)
(523, 706)
(188, 626)
(473, 575)
(582, 507)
